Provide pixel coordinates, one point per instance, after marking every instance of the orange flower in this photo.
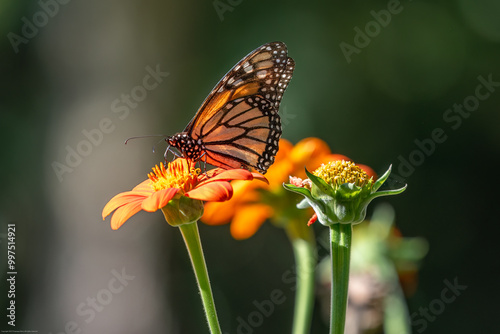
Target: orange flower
(179, 181)
(253, 203)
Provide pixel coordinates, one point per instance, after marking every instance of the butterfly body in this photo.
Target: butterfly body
(238, 124)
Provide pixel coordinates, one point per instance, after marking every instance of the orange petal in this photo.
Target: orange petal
(284, 150)
(123, 213)
(123, 199)
(336, 157)
(260, 177)
(218, 213)
(279, 172)
(228, 175)
(316, 162)
(248, 219)
(210, 173)
(158, 199)
(245, 191)
(144, 186)
(212, 191)
(312, 220)
(308, 148)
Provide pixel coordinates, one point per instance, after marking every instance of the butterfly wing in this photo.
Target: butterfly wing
(239, 122)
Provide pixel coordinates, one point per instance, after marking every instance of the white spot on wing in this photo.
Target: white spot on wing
(261, 74)
(238, 82)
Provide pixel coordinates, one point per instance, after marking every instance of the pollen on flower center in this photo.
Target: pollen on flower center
(178, 174)
(339, 172)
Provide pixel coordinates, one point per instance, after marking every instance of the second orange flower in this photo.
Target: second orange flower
(254, 202)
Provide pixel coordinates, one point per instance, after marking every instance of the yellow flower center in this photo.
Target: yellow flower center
(178, 174)
(339, 172)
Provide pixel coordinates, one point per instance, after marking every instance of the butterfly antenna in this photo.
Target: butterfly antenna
(140, 137)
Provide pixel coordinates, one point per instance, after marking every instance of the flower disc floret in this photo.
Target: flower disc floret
(177, 175)
(336, 173)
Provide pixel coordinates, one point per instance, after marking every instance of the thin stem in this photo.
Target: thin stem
(304, 245)
(193, 244)
(340, 249)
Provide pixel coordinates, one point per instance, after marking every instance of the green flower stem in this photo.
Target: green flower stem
(304, 247)
(193, 243)
(340, 249)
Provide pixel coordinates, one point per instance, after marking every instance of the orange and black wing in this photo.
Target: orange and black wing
(239, 123)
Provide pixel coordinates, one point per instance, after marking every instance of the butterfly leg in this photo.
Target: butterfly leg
(166, 153)
(165, 156)
(203, 158)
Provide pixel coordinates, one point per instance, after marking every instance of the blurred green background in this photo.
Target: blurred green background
(374, 79)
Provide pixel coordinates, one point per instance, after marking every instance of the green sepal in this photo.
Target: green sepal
(317, 204)
(321, 210)
(320, 188)
(299, 190)
(386, 193)
(304, 204)
(348, 191)
(380, 181)
(182, 210)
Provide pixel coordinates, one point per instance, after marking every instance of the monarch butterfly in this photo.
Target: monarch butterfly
(238, 125)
